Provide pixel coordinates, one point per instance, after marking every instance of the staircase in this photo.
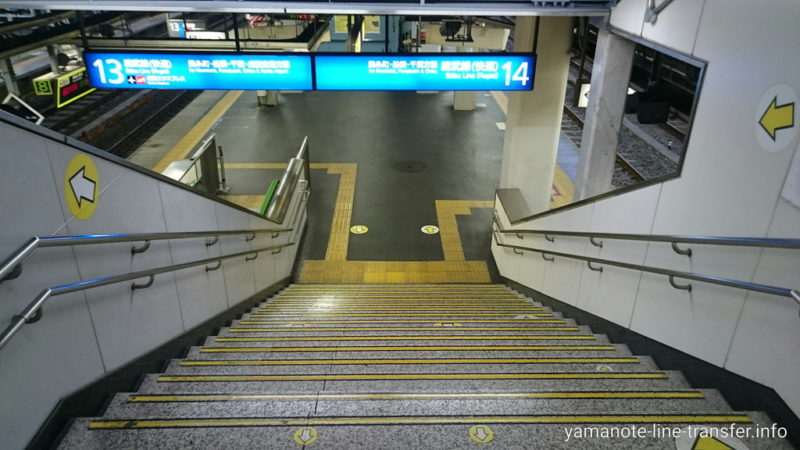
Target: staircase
(411, 366)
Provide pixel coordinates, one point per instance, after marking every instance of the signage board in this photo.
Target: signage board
(425, 72)
(247, 71)
(72, 86)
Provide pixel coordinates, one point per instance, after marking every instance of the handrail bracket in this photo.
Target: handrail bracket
(135, 286)
(680, 251)
(682, 287)
(142, 249)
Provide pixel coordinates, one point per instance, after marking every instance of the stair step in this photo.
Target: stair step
(129, 406)
(451, 329)
(393, 341)
(667, 380)
(429, 351)
(428, 365)
(454, 432)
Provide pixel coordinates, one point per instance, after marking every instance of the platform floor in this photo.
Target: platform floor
(391, 161)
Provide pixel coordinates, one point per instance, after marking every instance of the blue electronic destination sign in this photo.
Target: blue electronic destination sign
(199, 71)
(439, 72)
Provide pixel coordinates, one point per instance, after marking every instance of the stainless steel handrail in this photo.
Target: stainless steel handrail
(764, 288)
(686, 239)
(33, 311)
(36, 242)
(276, 211)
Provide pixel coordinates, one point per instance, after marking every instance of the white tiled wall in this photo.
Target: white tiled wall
(729, 187)
(85, 334)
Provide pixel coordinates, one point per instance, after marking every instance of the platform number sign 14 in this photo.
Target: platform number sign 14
(521, 74)
(114, 68)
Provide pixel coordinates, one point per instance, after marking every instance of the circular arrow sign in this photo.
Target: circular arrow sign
(359, 229)
(777, 117)
(430, 229)
(81, 187)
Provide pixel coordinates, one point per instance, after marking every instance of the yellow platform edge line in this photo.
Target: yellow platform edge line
(188, 142)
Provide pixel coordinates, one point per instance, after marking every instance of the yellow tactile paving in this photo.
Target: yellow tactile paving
(245, 201)
(404, 272)
(563, 185)
(190, 140)
(343, 210)
(446, 211)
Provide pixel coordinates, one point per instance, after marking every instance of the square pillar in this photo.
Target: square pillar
(533, 121)
(611, 72)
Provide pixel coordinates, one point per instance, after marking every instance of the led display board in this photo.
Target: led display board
(72, 86)
(199, 71)
(425, 72)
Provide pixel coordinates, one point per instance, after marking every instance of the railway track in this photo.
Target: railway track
(125, 136)
(573, 129)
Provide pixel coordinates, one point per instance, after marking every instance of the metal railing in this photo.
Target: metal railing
(549, 235)
(11, 267)
(276, 211)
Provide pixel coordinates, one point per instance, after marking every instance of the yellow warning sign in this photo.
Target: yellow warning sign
(81, 187)
(359, 229)
(305, 435)
(340, 24)
(430, 229)
(710, 443)
(481, 434)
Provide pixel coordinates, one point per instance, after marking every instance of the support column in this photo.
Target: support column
(52, 55)
(533, 119)
(7, 72)
(464, 100)
(611, 71)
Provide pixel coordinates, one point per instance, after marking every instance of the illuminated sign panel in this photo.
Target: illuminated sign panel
(199, 71)
(71, 87)
(439, 72)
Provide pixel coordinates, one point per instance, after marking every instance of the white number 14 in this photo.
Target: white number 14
(521, 74)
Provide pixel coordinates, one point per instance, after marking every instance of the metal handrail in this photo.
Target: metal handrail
(756, 287)
(276, 211)
(686, 239)
(16, 258)
(33, 312)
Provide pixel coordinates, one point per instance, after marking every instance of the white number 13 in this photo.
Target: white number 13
(114, 69)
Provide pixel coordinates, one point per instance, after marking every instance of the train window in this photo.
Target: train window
(662, 92)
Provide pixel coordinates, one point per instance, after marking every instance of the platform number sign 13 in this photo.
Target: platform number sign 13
(109, 70)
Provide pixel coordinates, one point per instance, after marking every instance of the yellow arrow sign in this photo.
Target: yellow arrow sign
(710, 443)
(777, 117)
